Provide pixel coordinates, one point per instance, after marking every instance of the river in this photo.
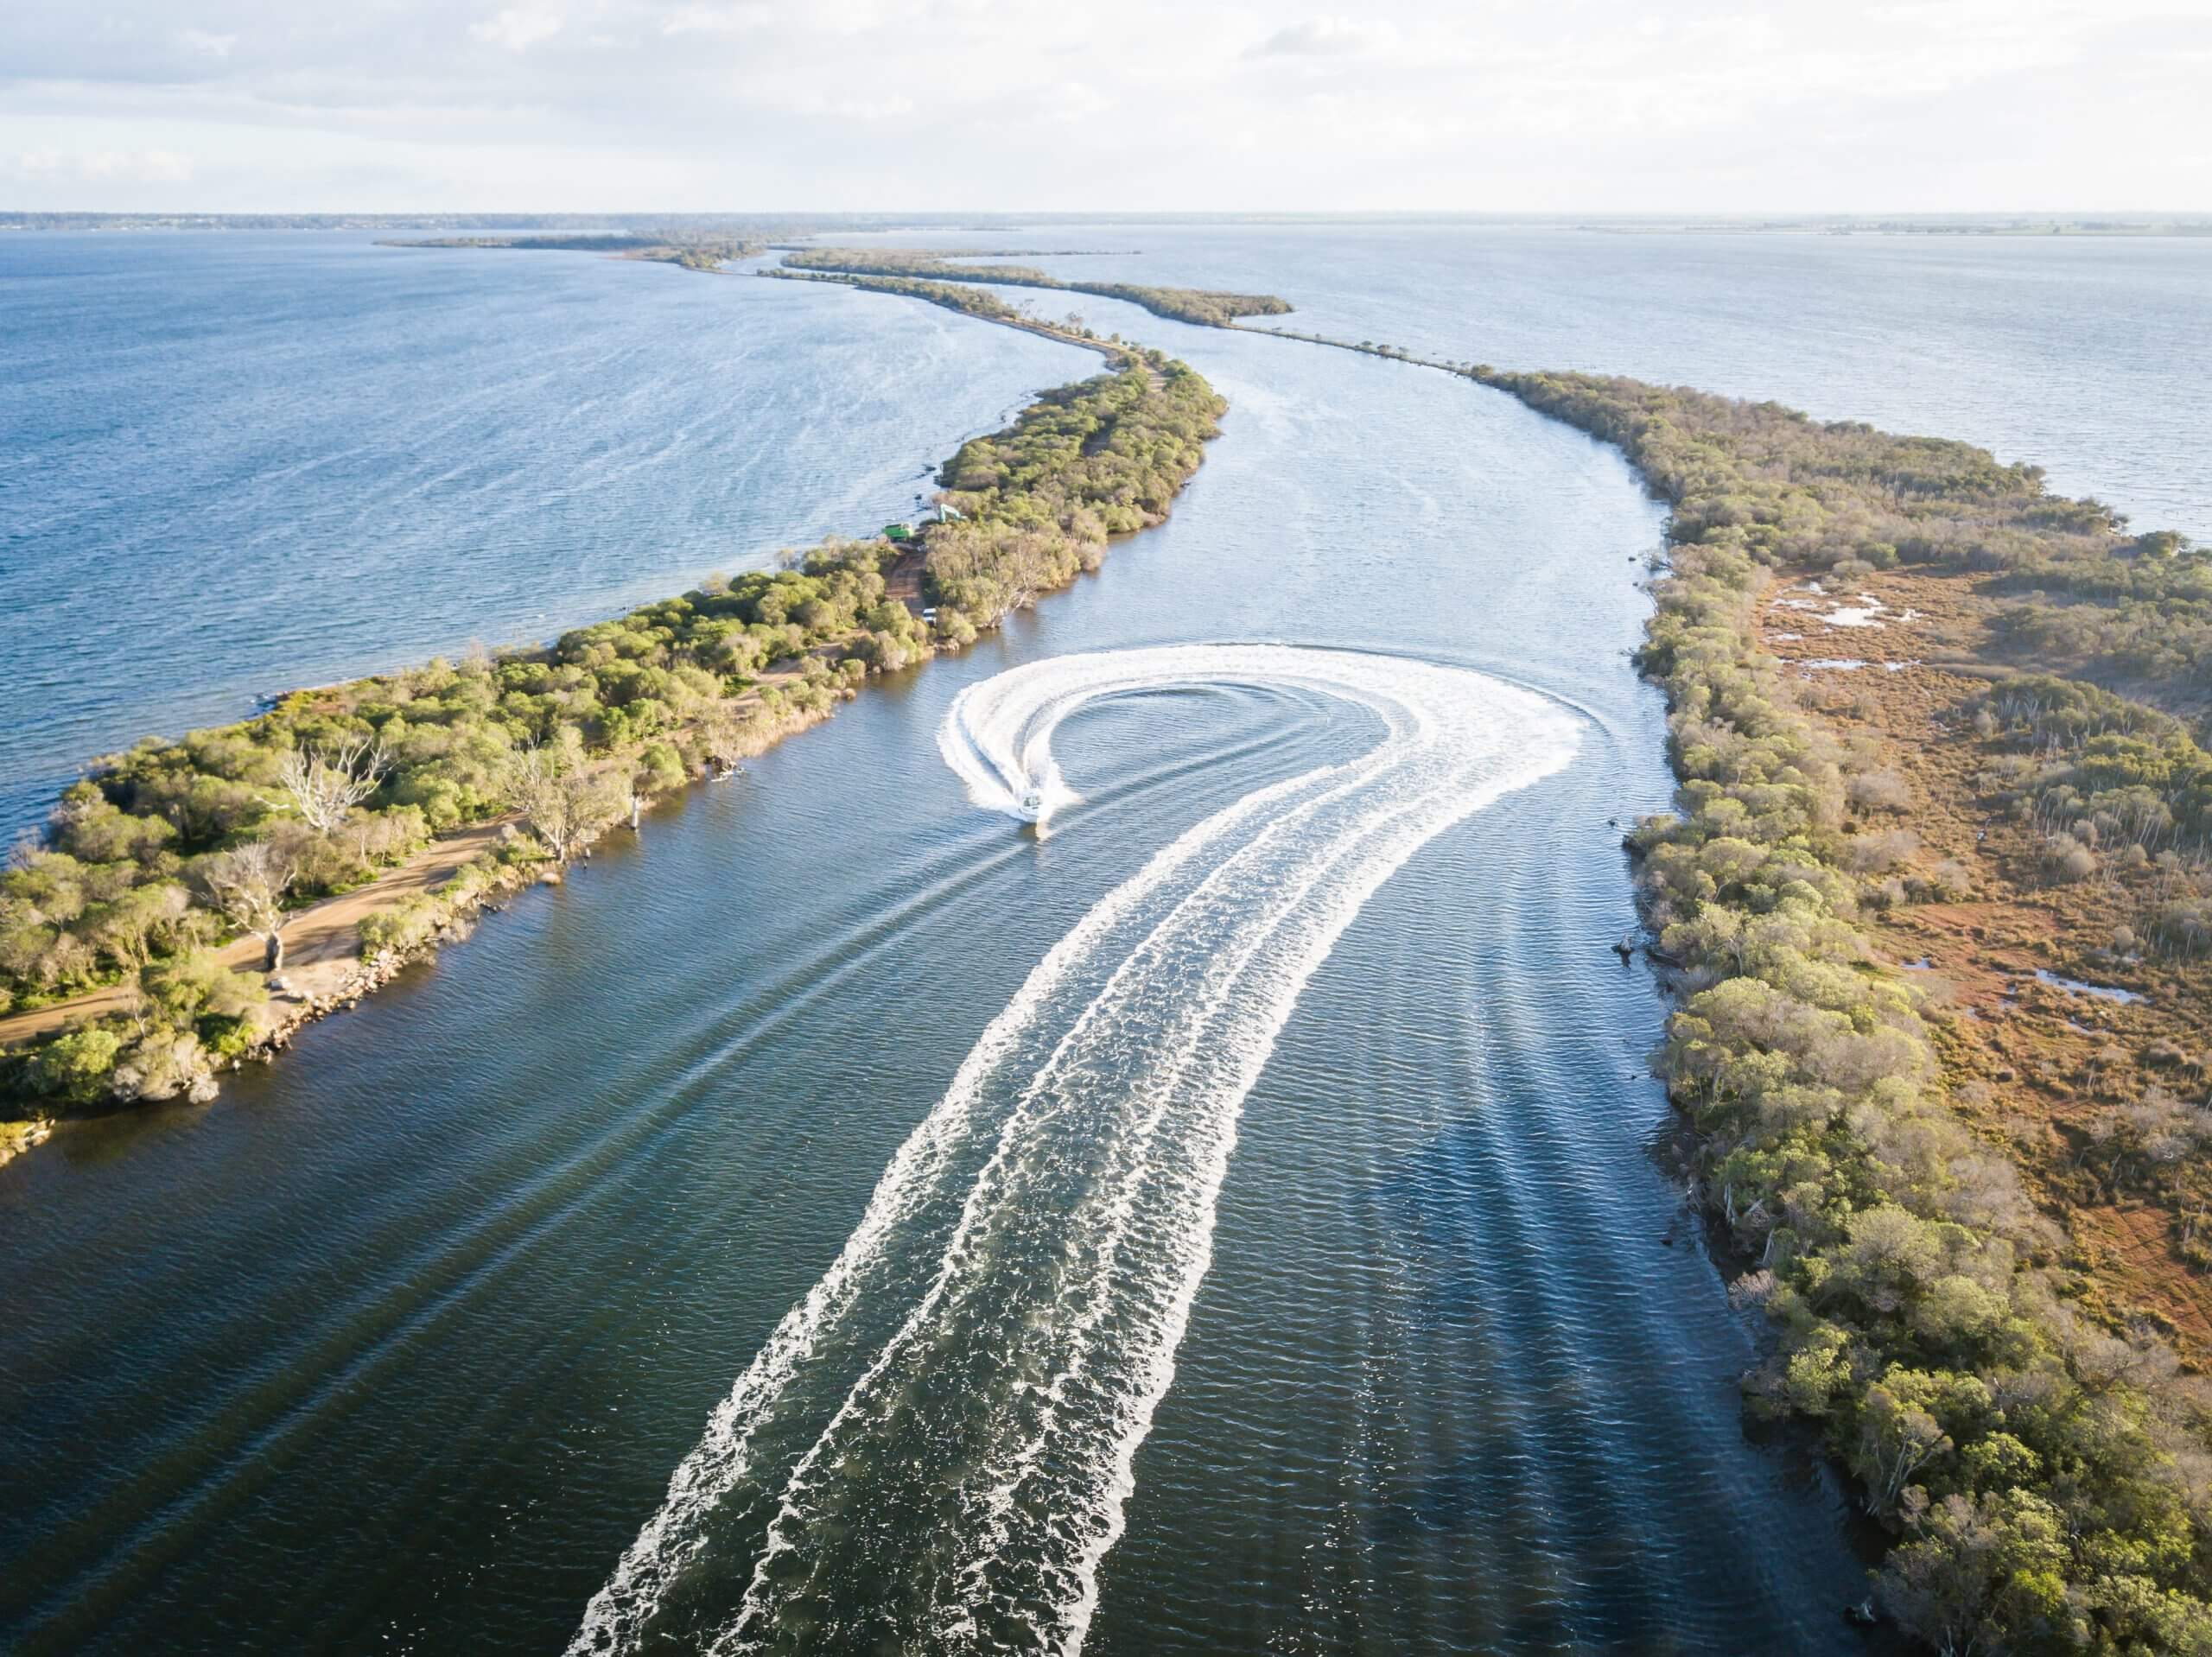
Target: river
(399, 1344)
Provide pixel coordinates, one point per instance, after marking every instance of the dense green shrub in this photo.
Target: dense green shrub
(406, 925)
(2081, 590)
(2049, 1479)
(1037, 501)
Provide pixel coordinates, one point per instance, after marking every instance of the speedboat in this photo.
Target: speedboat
(1032, 808)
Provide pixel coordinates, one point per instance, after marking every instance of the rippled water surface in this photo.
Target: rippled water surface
(2084, 355)
(232, 463)
(1229, 1222)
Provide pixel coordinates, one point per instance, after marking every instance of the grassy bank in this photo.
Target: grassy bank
(163, 852)
(2043, 1468)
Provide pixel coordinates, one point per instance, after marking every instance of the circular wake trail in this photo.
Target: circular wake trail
(934, 1448)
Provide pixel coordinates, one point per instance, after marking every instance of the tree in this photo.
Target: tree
(1898, 1436)
(128, 928)
(657, 770)
(1986, 1574)
(247, 886)
(162, 1063)
(722, 735)
(74, 1068)
(181, 988)
(326, 785)
(565, 799)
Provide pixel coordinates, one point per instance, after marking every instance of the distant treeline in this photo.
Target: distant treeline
(979, 252)
(968, 302)
(166, 849)
(2050, 1483)
(659, 226)
(583, 241)
(696, 253)
(1199, 305)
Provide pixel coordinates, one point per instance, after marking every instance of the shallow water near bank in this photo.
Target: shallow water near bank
(401, 1342)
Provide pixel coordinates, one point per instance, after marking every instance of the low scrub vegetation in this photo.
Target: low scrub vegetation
(968, 302)
(1202, 306)
(2116, 792)
(1036, 503)
(165, 850)
(2046, 1476)
(693, 251)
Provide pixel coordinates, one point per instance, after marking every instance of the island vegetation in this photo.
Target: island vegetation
(2036, 1449)
(979, 302)
(693, 251)
(1202, 306)
(162, 855)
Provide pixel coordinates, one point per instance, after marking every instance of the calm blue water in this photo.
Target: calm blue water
(397, 1344)
(2085, 355)
(231, 465)
(268, 449)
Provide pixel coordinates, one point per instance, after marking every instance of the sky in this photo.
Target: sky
(1540, 106)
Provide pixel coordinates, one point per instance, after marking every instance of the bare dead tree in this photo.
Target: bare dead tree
(247, 885)
(325, 785)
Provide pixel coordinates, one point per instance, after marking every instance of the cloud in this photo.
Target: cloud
(856, 108)
(518, 28)
(1326, 37)
(887, 104)
(742, 19)
(99, 166)
(1073, 100)
(200, 43)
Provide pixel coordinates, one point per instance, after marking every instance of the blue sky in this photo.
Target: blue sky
(1563, 106)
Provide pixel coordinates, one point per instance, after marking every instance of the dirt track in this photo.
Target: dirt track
(320, 942)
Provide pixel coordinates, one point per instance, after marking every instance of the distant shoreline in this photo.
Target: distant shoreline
(791, 227)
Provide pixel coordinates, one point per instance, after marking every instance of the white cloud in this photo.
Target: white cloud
(847, 107)
(1041, 105)
(1326, 37)
(743, 19)
(518, 28)
(201, 43)
(99, 166)
(1074, 100)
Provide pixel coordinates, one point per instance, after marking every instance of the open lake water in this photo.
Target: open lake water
(1229, 1222)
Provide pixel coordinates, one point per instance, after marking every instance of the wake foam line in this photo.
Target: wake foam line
(1065, 1286)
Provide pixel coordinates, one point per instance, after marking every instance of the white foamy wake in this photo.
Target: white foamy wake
(934, 1448)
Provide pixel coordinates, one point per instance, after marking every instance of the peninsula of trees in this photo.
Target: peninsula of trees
(163, 852)
(979, 302)
(694, 252)
(1914, 1183)
(1202, 306)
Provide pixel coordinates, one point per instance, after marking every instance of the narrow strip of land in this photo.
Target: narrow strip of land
(1912, 1168)
(351, 826)
(1207, 307)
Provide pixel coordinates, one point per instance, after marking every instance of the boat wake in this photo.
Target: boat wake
(933, 1449)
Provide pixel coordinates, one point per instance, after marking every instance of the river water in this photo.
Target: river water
(1231, 1220)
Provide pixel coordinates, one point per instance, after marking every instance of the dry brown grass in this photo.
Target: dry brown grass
(2035, 1069)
